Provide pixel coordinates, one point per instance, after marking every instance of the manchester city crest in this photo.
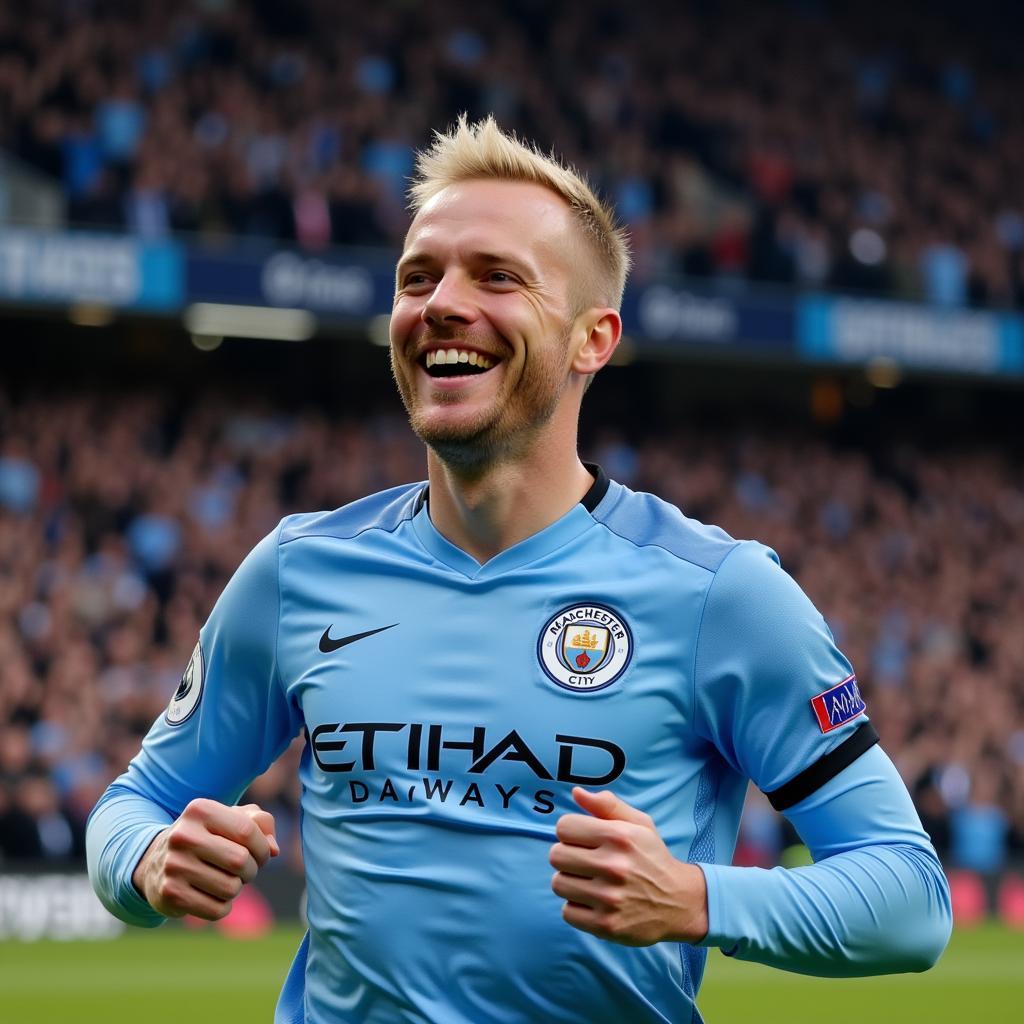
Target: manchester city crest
(585, 647)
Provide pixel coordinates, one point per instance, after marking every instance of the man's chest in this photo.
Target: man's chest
(419, 687)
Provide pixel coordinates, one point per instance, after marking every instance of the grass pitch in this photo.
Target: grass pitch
(172, 976)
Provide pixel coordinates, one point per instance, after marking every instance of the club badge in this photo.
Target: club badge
(190, 689)
(585, 647)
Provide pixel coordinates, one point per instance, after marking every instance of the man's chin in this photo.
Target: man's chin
(469, 437)
(460, 444)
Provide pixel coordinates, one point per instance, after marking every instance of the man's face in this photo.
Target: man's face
(481, 325)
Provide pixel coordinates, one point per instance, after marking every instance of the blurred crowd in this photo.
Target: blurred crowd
(122, 516)
(869, 147)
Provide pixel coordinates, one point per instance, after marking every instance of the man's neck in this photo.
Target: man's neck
(486, 512)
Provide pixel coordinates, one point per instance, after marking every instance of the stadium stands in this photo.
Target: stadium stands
(838, 146)
(122, 515)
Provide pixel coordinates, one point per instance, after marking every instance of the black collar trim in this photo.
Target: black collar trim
(598, 490)
(589, 501)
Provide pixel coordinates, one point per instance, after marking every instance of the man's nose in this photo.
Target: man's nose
(450, 302)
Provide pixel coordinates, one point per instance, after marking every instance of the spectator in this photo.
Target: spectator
(980, 828)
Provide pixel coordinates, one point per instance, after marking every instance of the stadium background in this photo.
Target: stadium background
(825, 350)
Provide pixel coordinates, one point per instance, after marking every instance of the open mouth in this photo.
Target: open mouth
(456, 362)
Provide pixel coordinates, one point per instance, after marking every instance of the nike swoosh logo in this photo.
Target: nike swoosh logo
(327, 644)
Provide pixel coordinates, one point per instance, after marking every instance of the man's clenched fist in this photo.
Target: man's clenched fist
(199, 864)
(619, 879)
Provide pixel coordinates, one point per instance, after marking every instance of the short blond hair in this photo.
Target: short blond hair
(468, 152)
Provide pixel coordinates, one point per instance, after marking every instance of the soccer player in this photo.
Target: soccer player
(532, 698)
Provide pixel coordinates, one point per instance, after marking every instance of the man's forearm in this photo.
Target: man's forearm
(121, 827)
(875, 901)
(876, 910)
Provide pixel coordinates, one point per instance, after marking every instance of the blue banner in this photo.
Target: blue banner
(925, 337)
(110, 270)
(339, 285)
(671, 315)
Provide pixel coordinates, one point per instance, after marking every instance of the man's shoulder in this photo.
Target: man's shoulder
(385, 510)
(646, 520)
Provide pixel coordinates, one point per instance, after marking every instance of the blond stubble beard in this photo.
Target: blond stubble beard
(502, 433)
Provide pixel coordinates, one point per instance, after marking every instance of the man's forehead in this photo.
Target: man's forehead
(497, 215)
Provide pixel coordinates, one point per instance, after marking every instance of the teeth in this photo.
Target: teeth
(448, 357)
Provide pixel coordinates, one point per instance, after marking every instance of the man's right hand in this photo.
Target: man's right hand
(199, 864)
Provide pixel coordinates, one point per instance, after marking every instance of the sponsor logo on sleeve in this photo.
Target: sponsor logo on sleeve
(190, 689)
(839, 705)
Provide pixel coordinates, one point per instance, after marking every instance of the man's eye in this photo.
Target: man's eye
(412, 280)
(500, 277)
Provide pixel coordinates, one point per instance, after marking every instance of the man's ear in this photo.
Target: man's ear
(596, 335)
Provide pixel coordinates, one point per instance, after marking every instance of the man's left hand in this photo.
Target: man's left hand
(619, 879)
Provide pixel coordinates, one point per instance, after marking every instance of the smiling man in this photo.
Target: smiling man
(532, 698)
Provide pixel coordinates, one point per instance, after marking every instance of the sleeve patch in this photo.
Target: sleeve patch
(190, 689)
(839, 705)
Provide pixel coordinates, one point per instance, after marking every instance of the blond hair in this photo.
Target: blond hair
(482, 150)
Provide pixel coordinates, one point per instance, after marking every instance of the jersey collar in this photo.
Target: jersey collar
(577, 520)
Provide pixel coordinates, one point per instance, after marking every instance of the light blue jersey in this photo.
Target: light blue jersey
(450, 707)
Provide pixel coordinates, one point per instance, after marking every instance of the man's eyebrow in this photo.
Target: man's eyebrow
(412, 259)
(506, 258)
(420, 259)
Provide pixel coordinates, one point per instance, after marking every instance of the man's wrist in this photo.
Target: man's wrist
(129, 897)
(693, 901)
(140, 872)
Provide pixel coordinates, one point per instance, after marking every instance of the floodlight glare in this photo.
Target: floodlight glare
(212, 319)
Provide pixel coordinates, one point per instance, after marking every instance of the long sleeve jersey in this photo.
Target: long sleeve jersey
(450, 706)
